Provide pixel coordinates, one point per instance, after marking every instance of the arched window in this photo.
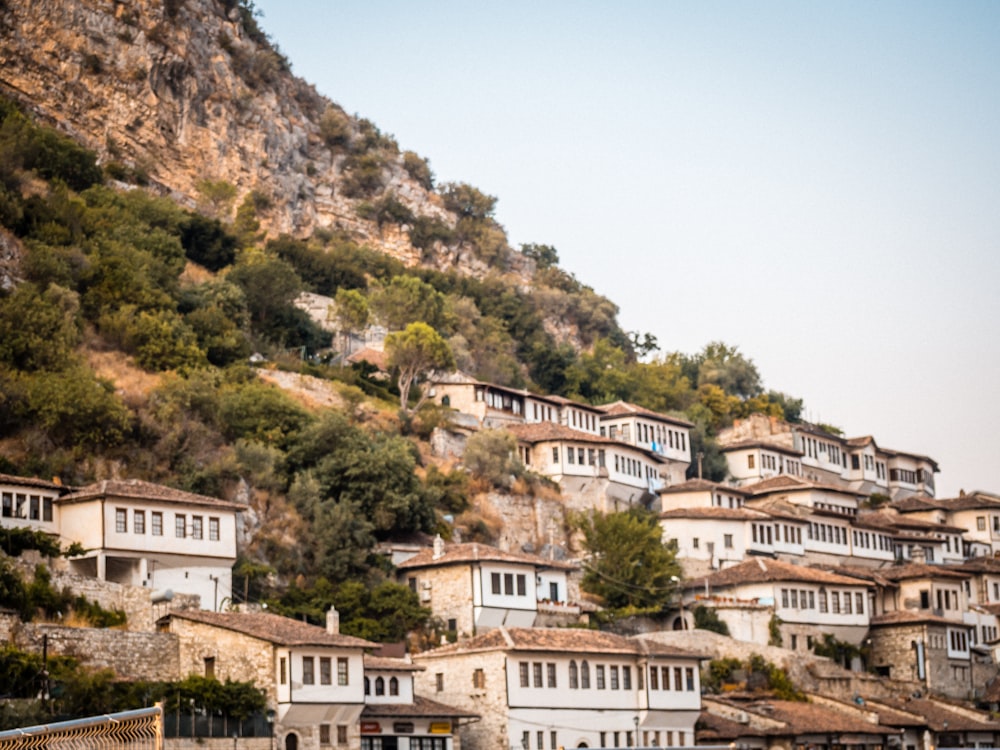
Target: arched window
(368, 686)
(585, 675)
(379, 686)
(393, 686)
(574, 676)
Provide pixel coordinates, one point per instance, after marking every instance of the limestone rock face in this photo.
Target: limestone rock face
(190, 90)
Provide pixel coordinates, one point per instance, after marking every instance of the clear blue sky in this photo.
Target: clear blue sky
(816, 183)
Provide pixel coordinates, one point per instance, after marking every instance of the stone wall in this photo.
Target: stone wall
(130, 655)
(237, 656)
(489, 702)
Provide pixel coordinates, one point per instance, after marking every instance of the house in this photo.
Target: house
(29, 503)
(701, 493)
(768, 722)
(495, 406)
(778, 600)
(751, 461)
(396, 718)
(473, 587)
(593, 471)
(145, 534)
(708, 539)
(649, 430)
(312, 677)
(548, 688)
(978, 513)
(930, 723)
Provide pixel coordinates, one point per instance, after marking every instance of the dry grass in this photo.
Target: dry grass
(132, 382)
(195, 274)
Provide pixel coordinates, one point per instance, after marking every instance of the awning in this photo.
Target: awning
(676, 720)
(311, 714)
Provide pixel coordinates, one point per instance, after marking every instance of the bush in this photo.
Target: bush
(363, 175)
(491, 455)
(419, 169)
(335, 128)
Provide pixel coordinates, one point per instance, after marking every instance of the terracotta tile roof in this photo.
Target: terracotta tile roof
(624, 409)
(883, 521)
(539, 432)
(744, 444)
(814, 718)
(892, 452)
(563, 401)
(872, 575)
(787, 483)
(941, 717)
(470, 552)
(420, 708)
(861, 442)
(726, 514)
(698, 485)
(915, 570)
(780, 508)
(713, 729)
(765, 570)
(566, 640)
(42, 484)
(979, 565)
(283, 631)
(910, 617)
(975, 501)
(386, 664)
(916, 503)
(135, 489)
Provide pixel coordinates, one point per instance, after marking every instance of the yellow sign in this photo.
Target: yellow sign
(440, 727)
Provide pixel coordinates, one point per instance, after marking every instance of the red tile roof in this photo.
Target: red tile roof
(698, 485)
(420, 708)
(276, 629)
(135, 489)
(31, 482)
(766, 570)
(910, 617)
(915, 570)
(725, 514)
(471, 552)
(744, 444)
(624, 409)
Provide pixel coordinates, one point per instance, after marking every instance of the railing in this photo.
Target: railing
(141, 729)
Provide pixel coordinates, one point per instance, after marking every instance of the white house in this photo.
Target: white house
(701, 493)
(711, 538)
(649, 430)
(396, 718)
(145, 534)
(808, 602)
(473, 587)
(29, 503)
(750, 461)
(549, 688)
(312, 677)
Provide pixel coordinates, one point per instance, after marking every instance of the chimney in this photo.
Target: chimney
(332, 621)
(438, 547)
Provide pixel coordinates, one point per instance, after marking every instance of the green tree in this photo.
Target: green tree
(414, 352)
(38, 331)
(706, 618)
(545, 256)
(217, 197)
(405, 300)
(492, 455)
(419, 169)
(627, 564)
(724, 366)
(467, 201)
(351, 314)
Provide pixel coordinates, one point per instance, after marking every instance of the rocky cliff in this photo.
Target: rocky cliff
(184, 91)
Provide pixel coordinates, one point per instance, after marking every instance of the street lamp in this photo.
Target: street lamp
(635, 721)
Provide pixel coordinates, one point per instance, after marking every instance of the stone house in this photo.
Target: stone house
(473, 587)
(313, 677)
(547, 688)
(396, 718)
(145, 534)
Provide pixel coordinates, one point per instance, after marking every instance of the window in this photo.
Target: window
(570, 456)
(847, 603)
(653, 678)
(665, 678)
(835, 602)
(550, 675)
(695, 543)
(750, 461)
(8, 504)
(508, 584)
(156, 523)
(308, 670)
(599, 675)
(394, 685)
(555, 455)
(585, 675)
(342, 734)
(478, 679)
(615, 685)
(522, 669)
(822, 601)
(689, 678)
(325, 671)
(283, 671)
(678, 679)
(981, 523)
(521, 585)
(324, 734)
(439, 681)
(859, 600)
(213, 529)
(121, 520)
(536, 673)
(196, 527)
(727, 541)
(342, 674)
(627, 678)
(925, 599)
(495, 583)
(553, 591)
(379, 686)
(34, 507)
(47, 509)
(210, 667)
(180, 524)
(139, 522)
(574, 676)
(526, 740)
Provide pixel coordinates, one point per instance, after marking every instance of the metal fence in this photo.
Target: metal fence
(141, 729)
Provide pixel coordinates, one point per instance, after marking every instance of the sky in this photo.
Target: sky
(815, 183)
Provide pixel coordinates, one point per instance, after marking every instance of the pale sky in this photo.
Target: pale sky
(816, 183)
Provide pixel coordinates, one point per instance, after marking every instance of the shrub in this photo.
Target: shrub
(419, 169)
(491, 455)
(363, 175)
(706, 618)
(335, 128)
(427, 230)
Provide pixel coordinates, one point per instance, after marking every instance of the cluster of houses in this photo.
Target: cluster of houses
(816, 540)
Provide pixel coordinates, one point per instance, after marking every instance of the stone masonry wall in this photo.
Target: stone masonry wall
(489, 702)
(237, 657)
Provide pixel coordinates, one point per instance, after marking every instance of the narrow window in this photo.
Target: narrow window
(653, 678)
(521, 585)
(439, 681)
(156, 523)
(585, 675)
(627, 678)
(550, 675)
(196, 527)
(325, 671)
(494, 583)
(121, 520)
(522, 669)
(324, 734)
(342, 734)
(35, 508)
(180, 524)
(508, 584)
(394, 684)
(213, 529)
(47, 509)
(342, 674)
(379, 686)
(614, 677)
(308, 670)
(283, 671)
(536, 672)
(210, 667)
(574, 676)
(139, 521)
(599, 673)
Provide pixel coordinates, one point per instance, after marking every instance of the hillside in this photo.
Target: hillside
(168, 189)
